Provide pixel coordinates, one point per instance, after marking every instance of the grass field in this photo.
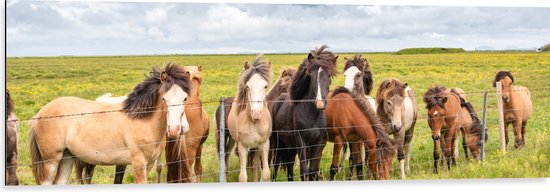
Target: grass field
(35, 81)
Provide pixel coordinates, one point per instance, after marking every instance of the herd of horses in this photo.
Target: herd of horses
(270, 128)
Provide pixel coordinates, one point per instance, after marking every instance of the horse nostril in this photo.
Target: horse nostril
(435, 137)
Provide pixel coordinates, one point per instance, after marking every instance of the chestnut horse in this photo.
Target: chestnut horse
(351, 118)
(249, 121)
(471, 128)
(299, 125)
(398, 111)
(12, 134)
(138, 128)
(517, 106)
(280, 87)
(445, 120)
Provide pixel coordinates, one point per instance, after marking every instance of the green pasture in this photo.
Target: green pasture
(34, 81)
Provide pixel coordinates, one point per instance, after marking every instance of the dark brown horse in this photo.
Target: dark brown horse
(280, 87)
(12, 132)
(517, 106)
(299, 125)
(444, 119)
(351, 118)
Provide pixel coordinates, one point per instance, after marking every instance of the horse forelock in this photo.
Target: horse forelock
(141, 102)
(261, 67)
(388, 89)
(501, 75)
(322, 58)
(434, 96)
(363, 65)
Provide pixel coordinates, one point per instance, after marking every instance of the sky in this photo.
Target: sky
(53, 28)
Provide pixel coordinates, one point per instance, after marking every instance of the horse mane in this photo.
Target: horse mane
(363, 65)
(142, 100)
(434, 96)
(501, 75)
(260, 66)
(317, 58)
(384, 145)
(389, 88)
(477, 127)
(9, 103)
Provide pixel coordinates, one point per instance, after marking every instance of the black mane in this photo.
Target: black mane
(434, 96)
(501, 75)
(142, 101)
(318, 58)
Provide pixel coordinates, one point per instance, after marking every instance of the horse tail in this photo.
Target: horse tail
(177, 170)
(36, 157)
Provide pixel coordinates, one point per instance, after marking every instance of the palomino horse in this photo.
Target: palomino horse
(249, 121)
(351, 118)
(179, 162)
(471, 128)
(85, 171)
(445, 120)
(280, 87)
(517, 106)
(138, 128)
(12, 134)
(398, 112)
(299, 118)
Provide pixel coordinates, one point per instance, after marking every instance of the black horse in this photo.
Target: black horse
(299, 124)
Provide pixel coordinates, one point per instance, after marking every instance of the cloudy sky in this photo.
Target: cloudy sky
(51, 28)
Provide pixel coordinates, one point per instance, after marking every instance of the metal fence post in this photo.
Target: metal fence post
(222, 140)
(500, 117)
(483, 130)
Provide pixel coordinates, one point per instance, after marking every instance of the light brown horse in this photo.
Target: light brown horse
(280, 87)
(471, 128)
(351, 118)
(398, 111)
(249, 121)
(517, 106)
(445, 119)
(70, 127)
(179, 162)
(12, 134)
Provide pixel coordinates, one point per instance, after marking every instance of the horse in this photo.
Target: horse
(179, 162)
(12, 134)
(517, 106)
(70, 127)
(445, 119)
(398, 111)
(85, 171)
(351, 118)
(249, 120)
(471, 128)
(279, 87)
(299, 125)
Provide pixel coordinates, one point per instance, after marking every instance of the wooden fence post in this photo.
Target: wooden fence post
(500, 117)
(483, 131)
(222, 140)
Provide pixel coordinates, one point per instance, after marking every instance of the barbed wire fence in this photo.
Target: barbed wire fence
(222, 130)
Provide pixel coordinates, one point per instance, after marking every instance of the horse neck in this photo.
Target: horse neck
(196, 88)
(275, 91)
(158, 120)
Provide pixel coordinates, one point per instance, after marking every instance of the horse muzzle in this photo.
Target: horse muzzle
(436, 137)
(321, 104)
(256, 115)
(174, 131)
(506, 99)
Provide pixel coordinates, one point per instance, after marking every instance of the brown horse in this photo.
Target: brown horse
(445, 120)
(471, 128)
(398, 111)
(179, 162)
(249, 121)
(351, 118)
(280, 87)
(517, 106)
(12, 134)
(138, 128)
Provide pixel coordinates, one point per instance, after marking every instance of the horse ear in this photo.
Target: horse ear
(310, 56)
(335, 58)
(187, 74)
(284, 74)
(345, 58)
(200, 68)
(269, 64)
(163, 76)
(246, 65)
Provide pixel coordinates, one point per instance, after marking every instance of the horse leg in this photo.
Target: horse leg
(255, 163)
(335, 156)
(243, 157)
(351, 160)
(407, 149)
(400, 154)
(189, 160)
(228, 148)
(437, 145)
(357, 162)
(158, 165)
(506, 124)
(265, 163)
(119, 174)
(302, 150)
(517, 133)
(88, 172)
(198, 164)
(523, 125)
(315, 163)
(78, 170)
(464, 143)
(139, 166)
(64, 170)
(276, 158)
(289, 163)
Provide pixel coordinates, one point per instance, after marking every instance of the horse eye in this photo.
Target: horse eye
(164, 99)
(185, 99)
(265, 87)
